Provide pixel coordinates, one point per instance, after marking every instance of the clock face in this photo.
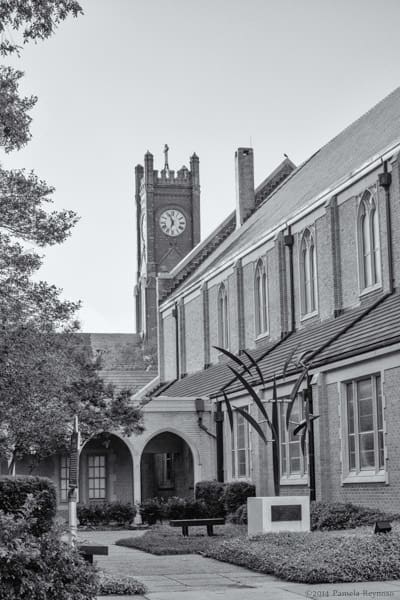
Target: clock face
(172, 222)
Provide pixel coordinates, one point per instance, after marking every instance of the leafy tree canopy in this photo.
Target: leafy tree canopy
(34, 19)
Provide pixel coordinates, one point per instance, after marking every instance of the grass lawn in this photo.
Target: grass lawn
(163, 539)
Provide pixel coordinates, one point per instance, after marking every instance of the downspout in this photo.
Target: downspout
(385, 180)
(199, 405)
(175, 315)
(289, 241)
(219, 430)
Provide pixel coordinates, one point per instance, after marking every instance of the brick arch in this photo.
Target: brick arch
(194, 450)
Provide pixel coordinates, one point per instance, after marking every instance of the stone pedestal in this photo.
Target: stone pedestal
(278, 513)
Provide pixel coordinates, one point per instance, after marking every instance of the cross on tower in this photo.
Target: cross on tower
(166, 166)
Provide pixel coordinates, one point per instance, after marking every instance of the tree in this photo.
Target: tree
(46, 379)
(46, 374)
(34, 19)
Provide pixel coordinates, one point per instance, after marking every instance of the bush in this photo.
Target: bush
(315, 557)
(328, 516)
(14, 492)
(183, 508)
(210, 492)
(239, 517)
(36, 567)
(120, 585)
(104, 514)
(151, 510)
(236, 493)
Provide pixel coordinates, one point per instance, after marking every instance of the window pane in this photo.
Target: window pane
(350, 408)
(367, 455)
(352, 452)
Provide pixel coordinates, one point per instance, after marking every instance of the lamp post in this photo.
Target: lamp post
(73, 482)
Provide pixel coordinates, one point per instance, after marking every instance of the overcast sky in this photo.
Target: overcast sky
(205, 77)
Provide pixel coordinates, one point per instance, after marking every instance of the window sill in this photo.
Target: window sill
(370, 289)
(367, 478)
(310, 315)
(294, 480)
(262, 336)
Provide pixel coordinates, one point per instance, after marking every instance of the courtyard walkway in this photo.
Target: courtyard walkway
(193, 577)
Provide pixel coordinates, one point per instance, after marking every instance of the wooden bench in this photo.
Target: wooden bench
(88, 551)
(186, 523)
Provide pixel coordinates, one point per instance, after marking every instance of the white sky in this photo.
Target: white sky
(204, 77)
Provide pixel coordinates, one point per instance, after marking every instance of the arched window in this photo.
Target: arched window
(261, 299)
(223, 333)
(308, 274)
(368, 241)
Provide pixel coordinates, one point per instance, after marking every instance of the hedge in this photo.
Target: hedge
(210, 492)
(104, 514)
(236, 493)
(14, 492)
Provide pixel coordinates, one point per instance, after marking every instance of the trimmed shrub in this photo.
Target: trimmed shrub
(104, 514)
(239, 517)
(14, 491)
(336, 515)
(36, 567)
(210, 492)
(183, 508)
(236, 493)
(151, 510)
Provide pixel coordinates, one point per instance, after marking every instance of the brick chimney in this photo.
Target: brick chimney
(245, 197)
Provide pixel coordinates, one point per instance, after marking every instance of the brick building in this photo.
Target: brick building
(307, 265)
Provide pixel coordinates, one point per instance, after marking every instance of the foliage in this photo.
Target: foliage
(119, 585)
(151, 510)
(210, 492)
(239, 516)
(103, 514)
(49, 378)
(14, 492)
(336, 515)
(164, 540)
(14, 118)
(236, 493)
(35, 19)
(315, 557)
(183, 508)
(33, 568)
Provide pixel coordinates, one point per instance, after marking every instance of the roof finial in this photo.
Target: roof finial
(166, 166)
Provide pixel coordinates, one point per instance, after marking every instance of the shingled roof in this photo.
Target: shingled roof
(357, 331)
(374, 132)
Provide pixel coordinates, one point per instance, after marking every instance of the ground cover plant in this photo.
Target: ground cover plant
(315, 557)
(119, 585)
(163, 539)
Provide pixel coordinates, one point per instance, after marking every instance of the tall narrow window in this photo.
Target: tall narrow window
(293, 463)
(223, 332)
(64, 477)
(240, 447)
(308, 274)
(97, 476)
(164, 464)
(369, 242)
(365, 442)
(261, 299)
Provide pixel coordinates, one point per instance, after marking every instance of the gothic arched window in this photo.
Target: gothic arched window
(261, 298)
(223, 333)
(308, 274)
(368, 241)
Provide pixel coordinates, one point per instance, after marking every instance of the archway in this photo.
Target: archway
(105, 470)
(166, 467)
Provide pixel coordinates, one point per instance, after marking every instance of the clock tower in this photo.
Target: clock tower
(167, 228)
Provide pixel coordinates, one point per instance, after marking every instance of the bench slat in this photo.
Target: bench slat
(86, 549)
(196, 522)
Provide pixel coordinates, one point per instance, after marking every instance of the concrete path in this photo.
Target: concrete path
(193, 577)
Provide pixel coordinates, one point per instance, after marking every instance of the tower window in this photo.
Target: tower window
(261, 299)
(223, 332)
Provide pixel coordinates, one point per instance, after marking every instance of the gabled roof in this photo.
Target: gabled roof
(357, 331)
(371, 134)
(202, 251)
(132, 379)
